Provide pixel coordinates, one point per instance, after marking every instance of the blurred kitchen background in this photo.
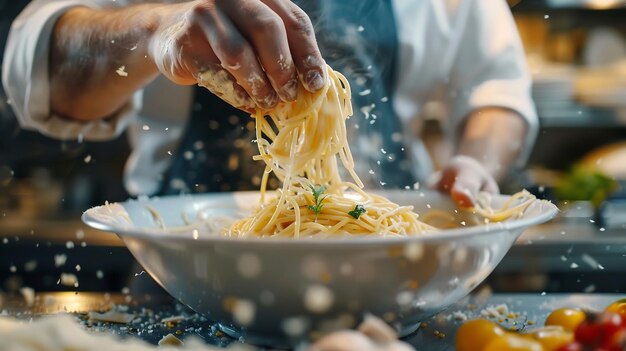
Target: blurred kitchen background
(576, 50)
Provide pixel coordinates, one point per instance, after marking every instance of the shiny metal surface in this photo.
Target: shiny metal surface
(280, 291)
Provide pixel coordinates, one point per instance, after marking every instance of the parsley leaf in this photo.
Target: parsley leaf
(358, 211)
(318, 198)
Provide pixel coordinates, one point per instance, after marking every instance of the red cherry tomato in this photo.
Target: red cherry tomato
(617, 341)
(598, 328)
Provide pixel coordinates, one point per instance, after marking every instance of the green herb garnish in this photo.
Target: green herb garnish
(317, 196)
(358, 211)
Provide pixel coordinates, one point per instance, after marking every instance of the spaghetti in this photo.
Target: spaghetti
(301, 143)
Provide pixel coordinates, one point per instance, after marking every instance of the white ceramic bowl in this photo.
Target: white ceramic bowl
(279, 291)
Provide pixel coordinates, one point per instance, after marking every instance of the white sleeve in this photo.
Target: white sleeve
(26, 81)
(489, 68)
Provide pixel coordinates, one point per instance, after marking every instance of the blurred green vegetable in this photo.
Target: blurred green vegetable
(584, 184)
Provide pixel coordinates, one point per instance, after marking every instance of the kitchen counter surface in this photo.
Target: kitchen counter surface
(437, 334)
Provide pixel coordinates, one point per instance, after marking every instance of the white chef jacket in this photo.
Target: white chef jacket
(465, 53)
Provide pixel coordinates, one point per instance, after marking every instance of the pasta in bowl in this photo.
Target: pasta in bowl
(280, 290)
(320, 252)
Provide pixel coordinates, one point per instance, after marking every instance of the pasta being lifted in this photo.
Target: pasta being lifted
(301, 143)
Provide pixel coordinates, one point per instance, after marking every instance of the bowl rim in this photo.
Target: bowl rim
(548, 211)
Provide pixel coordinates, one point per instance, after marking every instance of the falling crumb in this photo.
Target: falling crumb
(87, 159)
(439, 335)
(69, 245)
(122, 71)
(99, 274)
(77, 268)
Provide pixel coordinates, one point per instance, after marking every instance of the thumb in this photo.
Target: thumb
(465, 188)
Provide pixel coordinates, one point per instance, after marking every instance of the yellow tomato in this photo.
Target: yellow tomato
(512, 342)
(550, 337)
(474, 335)
(568, 318)
(618, 307)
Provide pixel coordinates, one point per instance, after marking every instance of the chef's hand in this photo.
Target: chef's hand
(463, 178)
(250, 53)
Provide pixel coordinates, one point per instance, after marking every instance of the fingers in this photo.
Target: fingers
(302, 43)
(266, 32)
(265, 46)
(463, 178)
(236, 55)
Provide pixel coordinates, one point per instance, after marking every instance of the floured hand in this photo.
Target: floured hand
(250, 53)
(463, 178)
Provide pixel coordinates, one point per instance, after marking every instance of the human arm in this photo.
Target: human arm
(490, 142)
(494, 123)
(248, 52)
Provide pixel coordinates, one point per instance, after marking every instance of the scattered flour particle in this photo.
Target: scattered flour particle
(459, 316)
(122, 71)
(59, 260)
(68, 279)
(30, 265)
(173, 319)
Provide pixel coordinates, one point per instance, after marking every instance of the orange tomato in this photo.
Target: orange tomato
(512, 342)
(550, 337)
(474, 335)
(568, 318)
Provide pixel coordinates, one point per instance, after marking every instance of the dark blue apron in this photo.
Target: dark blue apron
(357, 38)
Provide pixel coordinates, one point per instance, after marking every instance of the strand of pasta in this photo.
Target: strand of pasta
(302, 143)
